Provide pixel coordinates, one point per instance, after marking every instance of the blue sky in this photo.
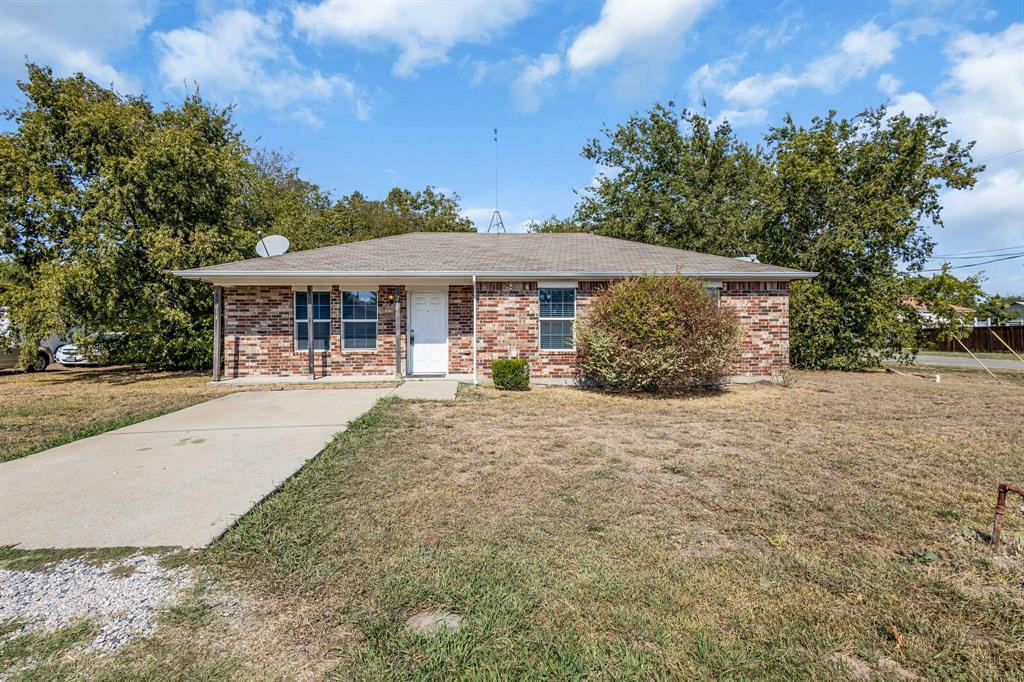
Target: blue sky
(372, 95)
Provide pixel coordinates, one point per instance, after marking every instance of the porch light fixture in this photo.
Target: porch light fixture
(390, 297)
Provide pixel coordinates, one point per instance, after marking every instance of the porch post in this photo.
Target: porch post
(474, 329)
(398, 333)
(309, 327)
(218, 307)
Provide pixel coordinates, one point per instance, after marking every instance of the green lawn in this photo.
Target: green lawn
(830, 529)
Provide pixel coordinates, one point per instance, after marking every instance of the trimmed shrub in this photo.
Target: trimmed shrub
(511, 374)
(654, 334)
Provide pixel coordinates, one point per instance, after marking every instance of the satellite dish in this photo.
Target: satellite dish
(271, 245)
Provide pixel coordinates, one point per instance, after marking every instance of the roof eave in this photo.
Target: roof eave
(263, 275)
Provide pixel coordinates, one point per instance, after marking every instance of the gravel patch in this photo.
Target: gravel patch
(122, 605)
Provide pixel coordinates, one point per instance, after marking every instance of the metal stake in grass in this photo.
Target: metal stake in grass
(997, 527)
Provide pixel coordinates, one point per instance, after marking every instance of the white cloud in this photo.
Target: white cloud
(983, 99)
(239, 54)
(632, 26)
(995, 205)
(774, 37)
(307, 118)
(535, 80)
(985, 96)
(889, 84)
(912, 104)
(71, 37)
(424, 32)
(740, 118)
(712, 77)
(860, 51)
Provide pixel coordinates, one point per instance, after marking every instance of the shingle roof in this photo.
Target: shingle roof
(439, 254)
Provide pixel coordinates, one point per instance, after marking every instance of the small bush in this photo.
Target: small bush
(652, 334)
(511, 374)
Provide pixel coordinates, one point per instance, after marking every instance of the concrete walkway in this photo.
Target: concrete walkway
(181, 479)
(967, 361)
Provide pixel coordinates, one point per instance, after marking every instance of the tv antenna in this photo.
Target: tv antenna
(497, 224)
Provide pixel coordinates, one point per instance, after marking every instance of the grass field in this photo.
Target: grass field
(41, 410)
(834, 528)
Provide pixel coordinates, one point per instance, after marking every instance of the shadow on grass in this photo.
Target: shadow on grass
(115, 376)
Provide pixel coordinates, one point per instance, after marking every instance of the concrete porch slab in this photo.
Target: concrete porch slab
(426, 389)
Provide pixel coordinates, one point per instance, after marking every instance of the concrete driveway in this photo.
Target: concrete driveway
(181, 479)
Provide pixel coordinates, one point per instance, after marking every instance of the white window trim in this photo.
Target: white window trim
(296, 321)
(541, 319)
(375, 320)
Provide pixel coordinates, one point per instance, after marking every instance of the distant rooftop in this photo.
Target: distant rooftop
(463, 254)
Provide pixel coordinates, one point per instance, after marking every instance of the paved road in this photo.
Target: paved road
(947, 361)
(181, 479)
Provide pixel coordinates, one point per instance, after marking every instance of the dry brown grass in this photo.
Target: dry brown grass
(827, 528)
(59, 405)
(830, 529)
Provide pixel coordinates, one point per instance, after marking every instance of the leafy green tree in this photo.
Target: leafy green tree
(278, 201)
(554, 224)
(104, 197)
(851, 199)
(949, 302)
(997, 308)
(677, 180)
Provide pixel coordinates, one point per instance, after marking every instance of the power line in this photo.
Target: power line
(1005, 253)
(974, 265)
(993, 158)
(965, 253)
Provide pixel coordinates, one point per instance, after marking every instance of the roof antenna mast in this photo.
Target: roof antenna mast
(497, 224)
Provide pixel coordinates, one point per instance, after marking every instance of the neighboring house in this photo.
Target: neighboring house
(930, 319)
(1017, 307)
(448, 303)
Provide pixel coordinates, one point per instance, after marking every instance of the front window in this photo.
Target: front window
(321, 320)
(359, 319)
(557, 313)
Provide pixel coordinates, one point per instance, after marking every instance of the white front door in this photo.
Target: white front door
(428, 332)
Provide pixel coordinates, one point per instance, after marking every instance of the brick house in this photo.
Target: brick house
(447, 303)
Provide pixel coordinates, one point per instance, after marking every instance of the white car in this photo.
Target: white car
(104, 347)
(10, 347)
(68, 355)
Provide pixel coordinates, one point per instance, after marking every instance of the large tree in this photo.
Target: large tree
(675, 178)
(104, 196)
(851, 199)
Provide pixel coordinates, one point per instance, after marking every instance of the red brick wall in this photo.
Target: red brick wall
(763, 311)
(460, 329)
(259, 331)
(259, 338)
(508, 324)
